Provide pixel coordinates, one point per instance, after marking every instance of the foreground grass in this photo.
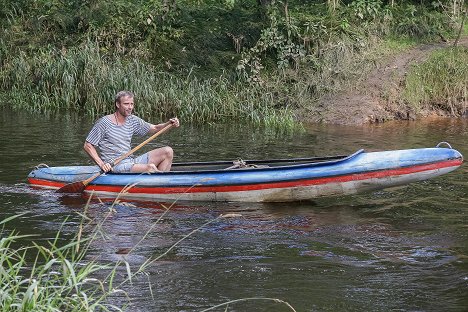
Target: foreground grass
(62, 278)
(56, 279)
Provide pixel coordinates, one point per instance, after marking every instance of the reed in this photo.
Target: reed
(440, 82)
(57, 279)
(83, 80)
(60, 278)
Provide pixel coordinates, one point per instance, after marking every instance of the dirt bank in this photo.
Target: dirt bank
(376, 99)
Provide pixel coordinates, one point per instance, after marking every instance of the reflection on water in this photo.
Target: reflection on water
(398, 249)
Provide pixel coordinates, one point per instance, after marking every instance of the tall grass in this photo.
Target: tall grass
(57, 279)
(441, 82)
(81, 79)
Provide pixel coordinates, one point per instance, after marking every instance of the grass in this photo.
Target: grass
(62, 278)
(57, 279)
(440, 82)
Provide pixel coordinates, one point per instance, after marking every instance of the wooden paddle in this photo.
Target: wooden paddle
(78, 187)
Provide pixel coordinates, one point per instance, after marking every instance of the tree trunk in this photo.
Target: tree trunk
(455, 43)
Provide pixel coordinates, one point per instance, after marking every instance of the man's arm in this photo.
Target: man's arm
(156, 128)
(91, 150)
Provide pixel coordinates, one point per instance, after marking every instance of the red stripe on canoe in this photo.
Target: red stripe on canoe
(45, 183)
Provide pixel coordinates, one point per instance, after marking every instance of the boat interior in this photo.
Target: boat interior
(250, 164)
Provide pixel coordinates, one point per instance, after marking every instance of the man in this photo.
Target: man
(113, 135)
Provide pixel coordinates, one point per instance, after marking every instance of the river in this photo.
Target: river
(402, 249)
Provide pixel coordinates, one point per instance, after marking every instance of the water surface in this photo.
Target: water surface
(398, 249)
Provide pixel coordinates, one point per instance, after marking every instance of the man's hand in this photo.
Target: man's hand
(174, 121)
(106, 167)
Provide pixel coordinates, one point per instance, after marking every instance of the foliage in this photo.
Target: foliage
(281, 37)
(186, 34)
(366, 10)
(420, 22)
(294, 38)
(170, 34)
(100, 46)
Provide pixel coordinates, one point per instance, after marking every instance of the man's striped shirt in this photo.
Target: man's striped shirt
(113, 140)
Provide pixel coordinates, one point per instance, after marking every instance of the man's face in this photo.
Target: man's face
(125, 106)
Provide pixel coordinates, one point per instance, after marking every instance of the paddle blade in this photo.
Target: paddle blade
(78, 187)
(75, 187)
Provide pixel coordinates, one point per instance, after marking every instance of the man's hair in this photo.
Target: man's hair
(122, 94)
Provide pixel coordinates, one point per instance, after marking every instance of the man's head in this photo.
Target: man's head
(122, 94)
(124, 103)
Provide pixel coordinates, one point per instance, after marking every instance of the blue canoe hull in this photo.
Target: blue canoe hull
(263, 181)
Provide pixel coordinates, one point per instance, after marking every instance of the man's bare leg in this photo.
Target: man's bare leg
(159, 159)
(136, 168)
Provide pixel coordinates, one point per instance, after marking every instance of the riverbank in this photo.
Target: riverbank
(379, 97)
(81, 80)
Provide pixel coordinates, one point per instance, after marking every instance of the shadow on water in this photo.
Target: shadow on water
(397, 249)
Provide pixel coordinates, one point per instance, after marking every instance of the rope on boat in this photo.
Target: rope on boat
(446, 143)
(238, 164)
(41, 166)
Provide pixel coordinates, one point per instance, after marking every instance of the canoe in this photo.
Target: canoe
(278, 180)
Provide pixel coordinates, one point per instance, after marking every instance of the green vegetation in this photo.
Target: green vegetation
(56, 279)
(256, 60)
(441, 82)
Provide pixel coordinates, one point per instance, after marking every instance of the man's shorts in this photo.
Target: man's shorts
(127, 164)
